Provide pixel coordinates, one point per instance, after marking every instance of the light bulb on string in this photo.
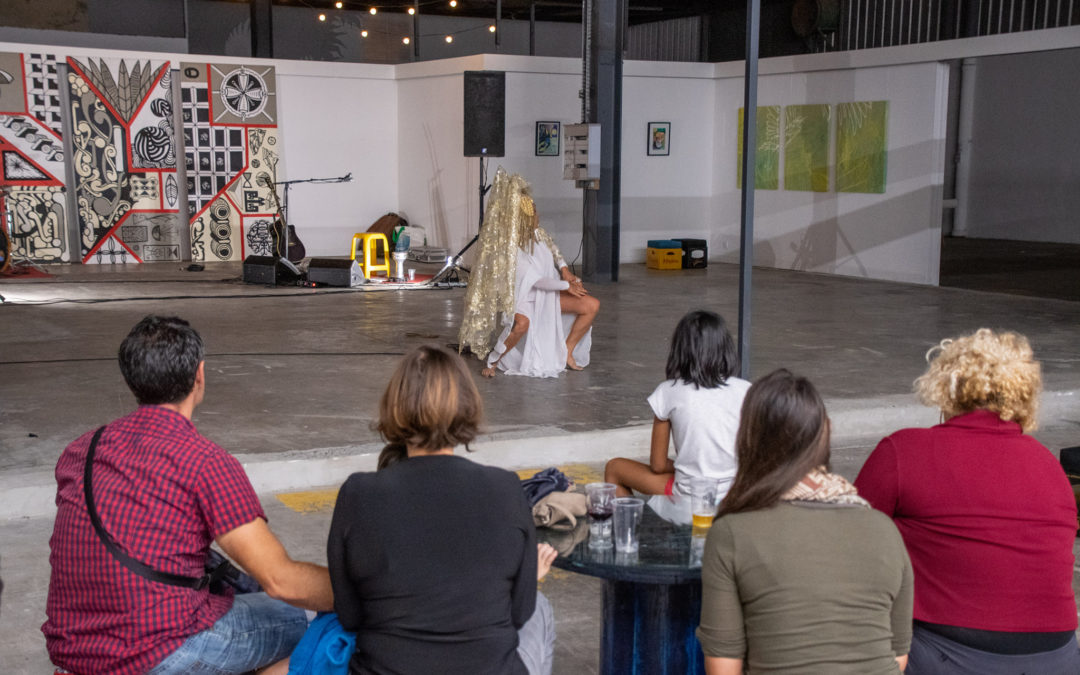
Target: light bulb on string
(339, 4)
(405, 41)
(363, 33)
(374, 10)
(322, 17)
(491, 28)
(453, 3)
(412, 10)
(449, 39)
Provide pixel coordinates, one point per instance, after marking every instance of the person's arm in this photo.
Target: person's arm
(255, 548)
(659, 461)
(548, 284)
(878, 481)
(721, 632)
(901, 614)
(523, 591)
(718, 665)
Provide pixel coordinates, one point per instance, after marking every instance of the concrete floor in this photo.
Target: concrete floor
(295, 376)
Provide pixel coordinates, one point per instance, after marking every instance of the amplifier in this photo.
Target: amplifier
(334, 272)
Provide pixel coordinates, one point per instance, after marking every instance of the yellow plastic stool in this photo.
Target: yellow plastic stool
(370, 263)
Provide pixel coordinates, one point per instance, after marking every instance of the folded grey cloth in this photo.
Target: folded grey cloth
(560, 510)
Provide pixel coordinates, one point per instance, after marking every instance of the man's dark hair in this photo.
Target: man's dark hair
(159, 359)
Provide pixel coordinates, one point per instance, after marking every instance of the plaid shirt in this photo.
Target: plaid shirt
(163, 493)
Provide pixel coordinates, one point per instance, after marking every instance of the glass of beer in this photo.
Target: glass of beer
(703, 501)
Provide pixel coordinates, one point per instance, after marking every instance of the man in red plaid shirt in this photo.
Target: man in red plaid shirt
(164, 493)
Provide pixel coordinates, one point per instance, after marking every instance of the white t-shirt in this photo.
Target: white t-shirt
(703, 427)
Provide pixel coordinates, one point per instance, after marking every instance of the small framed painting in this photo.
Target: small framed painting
(659, 139)
(547, 139)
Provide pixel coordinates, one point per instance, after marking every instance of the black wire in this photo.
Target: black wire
(221, 355)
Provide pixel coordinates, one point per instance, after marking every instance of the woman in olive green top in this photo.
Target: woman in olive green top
(800, 575)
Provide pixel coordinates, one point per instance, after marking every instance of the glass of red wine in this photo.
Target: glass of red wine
(600, 497)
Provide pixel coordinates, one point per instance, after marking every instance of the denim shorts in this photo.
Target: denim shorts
(258, 631)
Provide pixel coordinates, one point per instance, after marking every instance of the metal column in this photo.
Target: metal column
(262, 29)
(749, 141)
(601, 233)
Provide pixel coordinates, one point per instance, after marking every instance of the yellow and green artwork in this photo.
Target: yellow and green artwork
(861, 142)
(806, 147)
(767, 158)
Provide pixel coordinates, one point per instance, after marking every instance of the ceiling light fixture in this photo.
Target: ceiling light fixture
(405, 41)
(449, 39)
(373, 10)
(322, 17)
(363, 33)
(491, 28)
(412, 10)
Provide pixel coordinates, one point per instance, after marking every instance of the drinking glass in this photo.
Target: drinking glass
(627, 516)
(703, 501)
(600, 496)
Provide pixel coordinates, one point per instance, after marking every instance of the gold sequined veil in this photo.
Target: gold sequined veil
(489, 298)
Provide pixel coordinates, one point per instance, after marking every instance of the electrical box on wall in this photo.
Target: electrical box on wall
(581, 154)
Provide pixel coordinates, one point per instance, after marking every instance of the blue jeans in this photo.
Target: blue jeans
(536, 639)
(257, 632)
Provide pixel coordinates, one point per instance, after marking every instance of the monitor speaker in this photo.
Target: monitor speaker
(334, 272)
(267, 271)
(485, 113)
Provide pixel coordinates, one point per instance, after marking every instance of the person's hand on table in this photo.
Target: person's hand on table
(545, 555)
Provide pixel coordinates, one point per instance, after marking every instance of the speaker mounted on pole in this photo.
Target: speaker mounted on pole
(485, 113)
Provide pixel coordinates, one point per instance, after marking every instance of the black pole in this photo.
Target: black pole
(498, 21)
(262, 29)
(749, 176)
(532, 29)
(416, 29)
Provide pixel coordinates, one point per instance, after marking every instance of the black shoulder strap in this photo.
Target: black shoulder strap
(142, 569)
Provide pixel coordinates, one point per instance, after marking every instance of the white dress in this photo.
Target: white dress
(541, 352)
(703, 427)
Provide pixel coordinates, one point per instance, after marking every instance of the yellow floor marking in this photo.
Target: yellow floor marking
(315, 501)
(309, 502)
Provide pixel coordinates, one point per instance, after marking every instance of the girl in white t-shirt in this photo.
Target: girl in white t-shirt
(698, 408)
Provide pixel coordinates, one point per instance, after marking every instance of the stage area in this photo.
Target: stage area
(296, 373)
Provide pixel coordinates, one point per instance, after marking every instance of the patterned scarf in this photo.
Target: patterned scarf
(821, 486)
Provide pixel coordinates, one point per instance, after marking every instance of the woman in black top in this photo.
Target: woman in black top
(433, 559)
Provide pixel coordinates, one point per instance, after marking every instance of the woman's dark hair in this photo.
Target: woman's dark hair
(431, 402)
(702, 351)
(159, 359)
(783, 435)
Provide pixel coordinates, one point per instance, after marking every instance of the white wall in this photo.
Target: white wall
(336, 119)
(1025, 153)
(895, 235)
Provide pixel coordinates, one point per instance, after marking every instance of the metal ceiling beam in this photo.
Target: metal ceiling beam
(749, 176)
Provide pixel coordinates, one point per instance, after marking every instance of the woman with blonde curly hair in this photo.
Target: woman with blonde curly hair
(987, 515)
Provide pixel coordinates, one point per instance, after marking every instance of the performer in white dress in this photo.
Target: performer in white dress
(526, 313)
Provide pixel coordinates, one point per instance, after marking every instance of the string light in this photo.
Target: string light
(322, 17)
(491, 28)
(373, 11)
(405, 41)
(449, 39)
(363, 33)
(412, 10)
(339, 4)
(453, 3)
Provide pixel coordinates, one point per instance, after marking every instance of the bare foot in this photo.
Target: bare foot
(572, 364)
(488, 372)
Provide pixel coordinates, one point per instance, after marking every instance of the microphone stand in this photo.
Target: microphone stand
(283, 209)
(448, 273)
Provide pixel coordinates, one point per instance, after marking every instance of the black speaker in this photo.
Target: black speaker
(267, 270)
(485, 113)
(334, 272)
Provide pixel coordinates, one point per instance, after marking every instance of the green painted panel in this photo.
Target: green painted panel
(862, 130)
(806, 147)
(767, 158)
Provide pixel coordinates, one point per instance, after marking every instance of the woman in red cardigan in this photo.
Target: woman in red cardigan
(987, 515)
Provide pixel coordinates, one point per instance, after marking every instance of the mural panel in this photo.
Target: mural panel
(32, 200)
(124, 160)
(806, 147)
(861, 146)
(767, 154)
(231, 153)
